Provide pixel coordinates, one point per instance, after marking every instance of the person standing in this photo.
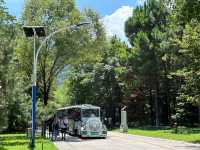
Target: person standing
(55, 128)
(63, 126)
(49, 124)
(109, 122)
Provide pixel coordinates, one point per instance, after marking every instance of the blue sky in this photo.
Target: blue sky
(14, 6)
(103, 7)
(113, 12)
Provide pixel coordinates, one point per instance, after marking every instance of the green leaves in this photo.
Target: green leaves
(64, 48)
(7, 35)
(159, 72)
(190, 50)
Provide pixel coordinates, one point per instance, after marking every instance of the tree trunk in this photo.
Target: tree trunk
(43, 133)
(156, 109)
(167, 112)
(199, 115)
(46, 97)
(167, 93)
(157, 103)
(151, 107)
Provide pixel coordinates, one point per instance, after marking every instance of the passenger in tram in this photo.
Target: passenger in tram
(92, 115)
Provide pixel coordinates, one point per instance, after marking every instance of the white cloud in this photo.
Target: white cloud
(141, 2)
(114, 23)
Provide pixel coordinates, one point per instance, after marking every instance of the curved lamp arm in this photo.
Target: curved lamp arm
(47, 38)
(57, 31)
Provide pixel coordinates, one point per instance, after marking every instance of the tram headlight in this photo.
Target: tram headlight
(83, 128)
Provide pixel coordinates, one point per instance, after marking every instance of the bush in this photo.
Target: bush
(185, 130)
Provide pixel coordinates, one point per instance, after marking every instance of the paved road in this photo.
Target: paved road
(119, 141)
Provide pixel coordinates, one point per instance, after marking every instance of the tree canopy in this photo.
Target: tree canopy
(157, 77)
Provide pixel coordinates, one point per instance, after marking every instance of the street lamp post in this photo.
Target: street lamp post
(32, 31)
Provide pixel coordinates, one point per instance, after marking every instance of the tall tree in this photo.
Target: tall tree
(145, 30)
(190, 56)
(64, 48)
(184, 17)
(101, 83)
(7, 34)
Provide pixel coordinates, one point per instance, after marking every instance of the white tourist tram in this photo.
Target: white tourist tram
(83, 120)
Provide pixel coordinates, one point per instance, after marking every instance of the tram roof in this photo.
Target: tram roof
(83, 106)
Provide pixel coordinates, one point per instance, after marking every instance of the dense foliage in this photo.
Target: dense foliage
(157, 78)
(165, 34)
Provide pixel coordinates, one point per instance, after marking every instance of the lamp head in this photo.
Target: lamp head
(83, 23)
(30, 30)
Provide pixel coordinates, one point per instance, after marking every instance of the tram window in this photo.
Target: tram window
(90, 112)
(59, 114)
(70, 113)
(76, 114)
(65, 113)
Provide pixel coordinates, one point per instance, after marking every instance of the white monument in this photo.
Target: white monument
(123, 126)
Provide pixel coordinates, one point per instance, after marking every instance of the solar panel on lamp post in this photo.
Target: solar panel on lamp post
(32, 31)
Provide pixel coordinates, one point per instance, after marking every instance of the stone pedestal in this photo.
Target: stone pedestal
(123, 126)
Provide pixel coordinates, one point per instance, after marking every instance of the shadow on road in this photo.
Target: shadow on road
(72, 139)
(76, 139)
(192, 147)
(69, 139)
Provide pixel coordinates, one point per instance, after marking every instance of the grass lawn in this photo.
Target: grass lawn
(185, 134)
(20, 142)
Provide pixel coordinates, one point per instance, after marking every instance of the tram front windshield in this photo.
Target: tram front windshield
(86, 113)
